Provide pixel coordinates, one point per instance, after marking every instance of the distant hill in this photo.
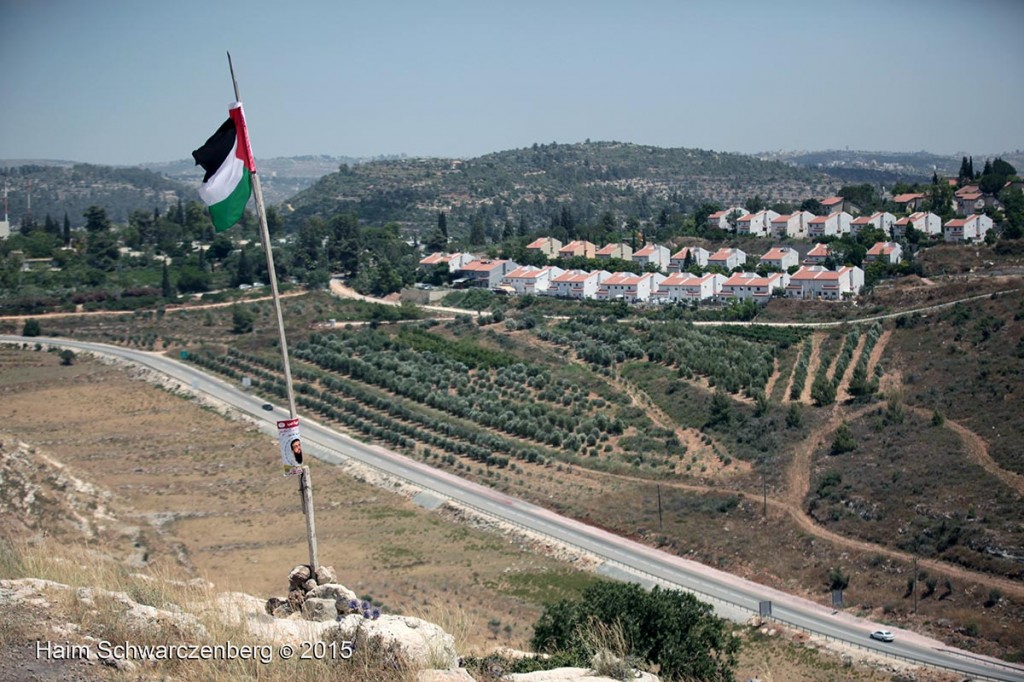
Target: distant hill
(883, 167)
(280, 177)
(59, 187)
(536, 182)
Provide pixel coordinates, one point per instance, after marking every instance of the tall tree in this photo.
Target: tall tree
(96, 219)
(166, 288)
(524, 228)
(243, 272)
(67, 229)
(477, 237)
(442, 224)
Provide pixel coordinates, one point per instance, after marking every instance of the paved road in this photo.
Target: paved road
(732, 596)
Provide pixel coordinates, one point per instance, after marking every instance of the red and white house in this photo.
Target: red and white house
(643, 287)
(911, 201)
(750, 285)
(972, 228)
(792, 225)
(719, 220)
(620, 251)
(818, 254)
(652, 254)
(781, 257)
(756, 224)
(727, 259)
(817, 282)
(889, 253)
(969, 203)
(578, 284)
(615, 286)
(486, 272)
(578, 248)
(833, 204)
(882, 220)
(454, 261)
(548, 246)
(682, 286)
(926, 223)
(529, 279)
(697, 256)
(831, 225)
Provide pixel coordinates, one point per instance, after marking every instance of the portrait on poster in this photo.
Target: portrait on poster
(291, 443)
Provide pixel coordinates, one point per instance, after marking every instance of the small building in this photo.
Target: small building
(485, 273)
(969, 203)
(454, 261)
(682, 286)
(548, 246)
(642, 287)
(817, 282)
(756, 224)
(831, 225)
(529, 279)
(818, 254)
(910, 201)
(578, 248)
(889, 253)
(781, 257)
(750, 285)
(577, 284)
(652, 254)
(620, 251)
(882, 220)
(925, 223)
(833, 204)
(726, 218)
(686, 257)
(792, 225)
(972, 228)
(615, 286)
(727, 259)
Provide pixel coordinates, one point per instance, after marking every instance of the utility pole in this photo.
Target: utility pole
(915, 585)
(764, 492)
(661, 526)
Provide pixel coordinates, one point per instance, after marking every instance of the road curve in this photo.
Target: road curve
(729, 594)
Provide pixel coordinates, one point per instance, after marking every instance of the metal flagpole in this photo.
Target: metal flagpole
(305, 483)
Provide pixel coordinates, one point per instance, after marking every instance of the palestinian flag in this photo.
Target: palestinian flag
(227, 159)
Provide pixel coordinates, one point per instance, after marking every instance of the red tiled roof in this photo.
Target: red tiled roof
(882, 249)
(777, 253)
(677, 279)
(483, 265)
(819, 250)
(723, 254)
(525, 272)
(816, 272)
(539, 243)
(831, 201)
(907, 198)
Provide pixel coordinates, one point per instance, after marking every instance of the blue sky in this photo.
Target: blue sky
(130, 81)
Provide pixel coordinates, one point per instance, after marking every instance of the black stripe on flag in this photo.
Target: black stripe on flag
(212, 154)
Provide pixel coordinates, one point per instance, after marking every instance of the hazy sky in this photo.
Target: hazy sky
(131, 81)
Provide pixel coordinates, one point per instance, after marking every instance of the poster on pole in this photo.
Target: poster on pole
(291, 444)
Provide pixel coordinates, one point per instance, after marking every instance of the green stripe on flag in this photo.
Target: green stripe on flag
(229, 211)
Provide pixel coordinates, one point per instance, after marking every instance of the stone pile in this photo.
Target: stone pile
(314, 595)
